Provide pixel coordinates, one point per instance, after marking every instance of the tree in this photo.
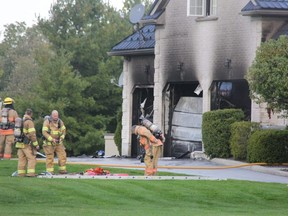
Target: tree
(11, 49)
(268, 75)
(62, 88)
(18, 65)
(87, 29)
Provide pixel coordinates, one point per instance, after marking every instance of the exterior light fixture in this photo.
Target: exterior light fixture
(147, 69)
(180, 66)
(228, 63)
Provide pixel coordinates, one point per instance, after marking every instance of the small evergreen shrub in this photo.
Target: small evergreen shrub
(240, 133)
(268, 146)
(216, 131)
(117, 134)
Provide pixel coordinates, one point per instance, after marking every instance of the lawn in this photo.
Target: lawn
(38, 196)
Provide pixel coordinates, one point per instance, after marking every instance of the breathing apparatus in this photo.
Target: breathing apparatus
(155, 130)
(18, 130)
(4, 124)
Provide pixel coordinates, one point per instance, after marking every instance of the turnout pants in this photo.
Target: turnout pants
(50, 150)
(148, 160)
(156, 151)
(26, 160)
(6, 142)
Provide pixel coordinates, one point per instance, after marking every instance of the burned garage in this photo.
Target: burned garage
(187, 57)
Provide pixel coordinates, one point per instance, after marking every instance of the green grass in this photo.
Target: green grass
(38, 196)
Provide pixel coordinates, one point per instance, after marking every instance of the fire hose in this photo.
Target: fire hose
(171, 167)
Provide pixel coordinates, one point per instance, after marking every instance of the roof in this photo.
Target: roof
(142, 40)
(261, 5)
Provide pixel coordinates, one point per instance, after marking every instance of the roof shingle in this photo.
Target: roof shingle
(142, 39)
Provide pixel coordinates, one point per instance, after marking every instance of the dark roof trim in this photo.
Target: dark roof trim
(132, 52)
(155, 15)
(265, 13)
(156, 10)
(153, 6)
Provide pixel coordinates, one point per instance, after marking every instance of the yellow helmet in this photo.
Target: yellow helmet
(8, 100)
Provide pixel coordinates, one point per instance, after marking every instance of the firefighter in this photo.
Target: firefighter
(54, 132)
(27, 145)
(7, 123)
(150, 144)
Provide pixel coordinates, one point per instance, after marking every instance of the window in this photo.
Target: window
(202, 7)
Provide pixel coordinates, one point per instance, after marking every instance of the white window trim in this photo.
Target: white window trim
(188, 9)
(213, 8)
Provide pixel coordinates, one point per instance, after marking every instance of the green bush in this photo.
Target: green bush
(216, 131)
(240, 133)
(117, 135)
(268, 146)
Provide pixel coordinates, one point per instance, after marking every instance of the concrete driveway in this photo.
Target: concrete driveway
(215, 168)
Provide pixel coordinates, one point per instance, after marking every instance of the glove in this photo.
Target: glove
(55, 141)
(62, 137)
(162, 138)
(37, 147)
(159, 142)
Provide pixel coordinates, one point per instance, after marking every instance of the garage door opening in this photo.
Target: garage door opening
(140, 94)
(183, 119)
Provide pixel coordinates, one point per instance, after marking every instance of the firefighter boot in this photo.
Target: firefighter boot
(62, 172)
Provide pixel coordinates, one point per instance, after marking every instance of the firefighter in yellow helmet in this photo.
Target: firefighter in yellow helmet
(27, 145)
(54, 132)
(7, 123)
(150, 144)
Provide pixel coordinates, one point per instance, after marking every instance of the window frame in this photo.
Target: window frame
(208, 8)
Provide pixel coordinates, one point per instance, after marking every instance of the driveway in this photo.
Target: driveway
(215, 168)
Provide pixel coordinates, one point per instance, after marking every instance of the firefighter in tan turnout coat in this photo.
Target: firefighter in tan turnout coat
(54, 132)
(151, 145)
(7, 123)
(27, 145)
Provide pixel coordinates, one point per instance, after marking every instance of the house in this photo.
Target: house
(190, 57)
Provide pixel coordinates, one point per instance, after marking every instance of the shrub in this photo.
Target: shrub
(269, 146)
(216, 131)
(117, 135)
(240, 133)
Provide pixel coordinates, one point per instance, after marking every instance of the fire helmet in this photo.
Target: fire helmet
(8, 100)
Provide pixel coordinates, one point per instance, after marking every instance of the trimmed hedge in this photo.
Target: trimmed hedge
(216, 131)
(240, 134)
(268, 146)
